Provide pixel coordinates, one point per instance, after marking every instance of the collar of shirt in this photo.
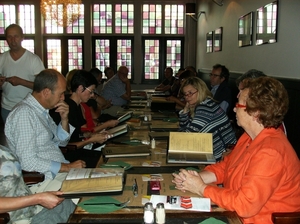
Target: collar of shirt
(214, 89)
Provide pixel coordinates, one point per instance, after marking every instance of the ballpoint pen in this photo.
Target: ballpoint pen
(135, 188)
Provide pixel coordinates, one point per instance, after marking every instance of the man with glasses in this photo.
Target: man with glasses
(219, 86)
(117, 90)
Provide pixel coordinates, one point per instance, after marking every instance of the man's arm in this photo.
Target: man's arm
(16, 81)
(127, 95)
(46, 199)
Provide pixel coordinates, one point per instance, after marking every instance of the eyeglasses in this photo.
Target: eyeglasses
(189, 94)
(91, 92)
(237, 105)
(214, 75)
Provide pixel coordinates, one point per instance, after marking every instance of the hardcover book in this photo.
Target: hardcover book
(89, 182)
(128, 151)
(125, 117)
(118, 130)
(186, 147)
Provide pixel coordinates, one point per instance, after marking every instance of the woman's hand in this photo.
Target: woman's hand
(189, 180)
(99, 137)
(111, 123)
(49, 199)
(186, 107)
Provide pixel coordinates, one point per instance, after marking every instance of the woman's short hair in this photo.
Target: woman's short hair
(69, 77)
(200, 86)
(84, 78)
(269, 98)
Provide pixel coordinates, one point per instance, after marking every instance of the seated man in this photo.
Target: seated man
(17, 199)
(117, 90)
(166, 85)
(32, 135)
(219, 86)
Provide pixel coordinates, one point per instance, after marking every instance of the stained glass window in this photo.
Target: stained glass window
(54, 54)
(75, 55)
(102, 18)
(56, 25)
(174, 54)
(124, 18)
(3, 46)
(152, 19)
(102, 53)
(174, 19)
(124, 54)
(7, 16)
(27, 18)
(151, 59)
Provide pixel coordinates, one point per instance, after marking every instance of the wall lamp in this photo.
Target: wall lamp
(190, 10)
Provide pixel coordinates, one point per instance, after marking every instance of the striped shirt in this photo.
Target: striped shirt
(209, 118)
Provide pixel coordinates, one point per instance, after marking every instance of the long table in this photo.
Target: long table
(133, 212)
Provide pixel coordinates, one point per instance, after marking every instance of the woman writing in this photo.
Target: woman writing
(202, 114)
(262, 174)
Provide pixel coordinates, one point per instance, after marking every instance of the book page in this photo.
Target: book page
(84, 173)
(103, 184)
(190, 142)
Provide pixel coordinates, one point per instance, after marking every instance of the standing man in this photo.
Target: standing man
(117, 90)
(18, 68)
(219, 86)
(33, 136)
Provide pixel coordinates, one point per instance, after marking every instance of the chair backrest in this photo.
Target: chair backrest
(4, 218)
(286, 217)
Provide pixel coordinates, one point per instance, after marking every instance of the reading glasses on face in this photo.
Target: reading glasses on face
(189, 94)
(91, 92)
(237, 105)
(214, 75)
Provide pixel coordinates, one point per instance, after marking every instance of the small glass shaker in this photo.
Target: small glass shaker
(148, 213)
(160, 213)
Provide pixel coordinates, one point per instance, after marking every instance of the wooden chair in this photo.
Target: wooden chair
(29, 178)
(286, 217)
(65, 149)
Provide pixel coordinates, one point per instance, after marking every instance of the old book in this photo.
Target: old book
(88, 182)
(118, 130)
(128, 151)
(164, 127)
(186, 147)
(125, 117)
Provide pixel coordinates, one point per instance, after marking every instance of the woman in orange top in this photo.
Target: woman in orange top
(262, 174)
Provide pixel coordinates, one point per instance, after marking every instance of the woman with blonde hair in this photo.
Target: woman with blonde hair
(202, 114)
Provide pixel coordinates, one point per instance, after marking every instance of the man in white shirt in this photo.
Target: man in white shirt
(18, 68)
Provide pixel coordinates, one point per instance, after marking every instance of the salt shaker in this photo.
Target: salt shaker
(153, 143)
(148, 213)
(160, 213)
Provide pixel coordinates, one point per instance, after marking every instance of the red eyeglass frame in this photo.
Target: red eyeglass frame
(237, 105)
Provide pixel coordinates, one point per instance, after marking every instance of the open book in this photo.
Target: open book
(125, 117)
(128, 151)
(118, 130)
(88, 182)
(184, 147)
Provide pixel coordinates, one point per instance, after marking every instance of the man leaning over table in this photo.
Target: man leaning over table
(34, 137)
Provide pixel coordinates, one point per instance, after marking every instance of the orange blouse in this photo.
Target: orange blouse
(259, 177)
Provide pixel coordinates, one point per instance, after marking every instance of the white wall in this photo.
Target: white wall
(281, 59)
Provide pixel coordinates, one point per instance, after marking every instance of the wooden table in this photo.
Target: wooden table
(133, 213)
